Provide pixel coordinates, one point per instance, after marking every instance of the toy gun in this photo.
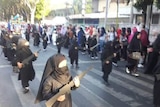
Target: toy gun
(64, 89)
(91, 48)
(26, 61)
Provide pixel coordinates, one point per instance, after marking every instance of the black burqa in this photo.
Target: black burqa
(51, 69)
(156, 71)
(106, 55)
(156, 87)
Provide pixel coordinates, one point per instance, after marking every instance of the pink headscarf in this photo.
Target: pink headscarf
(132, 34)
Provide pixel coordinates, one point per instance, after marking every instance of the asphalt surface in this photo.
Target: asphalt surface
(124, 90)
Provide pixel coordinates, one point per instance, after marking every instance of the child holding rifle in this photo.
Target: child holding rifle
(56, 75)
(27, 72)
(106, 58)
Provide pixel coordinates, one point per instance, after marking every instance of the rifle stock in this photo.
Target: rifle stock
(64, 89)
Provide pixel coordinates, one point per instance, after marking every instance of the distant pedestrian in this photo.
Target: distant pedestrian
(45, 40)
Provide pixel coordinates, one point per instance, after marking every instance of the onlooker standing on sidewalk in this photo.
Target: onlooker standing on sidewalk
(134, 46)
(82, 40)
(102, 38)
(145, 42)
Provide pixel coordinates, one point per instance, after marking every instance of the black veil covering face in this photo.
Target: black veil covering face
(51, 69)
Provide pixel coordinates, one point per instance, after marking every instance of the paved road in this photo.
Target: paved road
(125, 90)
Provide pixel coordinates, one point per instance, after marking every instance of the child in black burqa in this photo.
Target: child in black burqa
(73, 51)
(106, 58)
(56, 74)
(59, 42)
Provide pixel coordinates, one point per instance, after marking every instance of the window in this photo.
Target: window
(155, 19)
(139, 18)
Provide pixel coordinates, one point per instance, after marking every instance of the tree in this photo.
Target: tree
(32, 7)
(89, 6)
(142, 5)
(42, 9)
(77, 6)
(158, 4)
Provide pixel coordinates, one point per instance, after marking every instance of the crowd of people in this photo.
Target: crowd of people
(111, 45)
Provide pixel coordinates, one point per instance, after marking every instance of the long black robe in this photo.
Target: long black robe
(134, 46)
(106, 53)
(73, 51)
(27, 72)
(153, 56)
(52, 80)
(155, 69)
(156, 88)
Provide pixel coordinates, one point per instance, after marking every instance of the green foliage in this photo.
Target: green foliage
(77, 6)
(42, 9)
(158, 4)
(89, 6)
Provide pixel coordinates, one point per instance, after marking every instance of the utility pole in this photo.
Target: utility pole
(131, 14)
(117, 14)
(149, 16)
(83, 10)
(106, 14)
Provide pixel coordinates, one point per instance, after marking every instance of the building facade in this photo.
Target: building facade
(117, 13)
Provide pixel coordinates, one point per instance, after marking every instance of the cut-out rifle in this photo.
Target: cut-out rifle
(66, 88)
(28, 59)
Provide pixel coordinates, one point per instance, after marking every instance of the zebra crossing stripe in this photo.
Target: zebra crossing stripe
(5, 66)
(98, 101)
(122, 97)
(131, 78)
(27, 100)
(130, 87)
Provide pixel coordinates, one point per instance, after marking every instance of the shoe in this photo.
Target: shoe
(100, 52)
(107, 83)
(92, 57)
(83, 53)
(140, 66)
(96, 57)
(72, 66)
(127, 70)
(77, 66)
(26, 90)
(135, 74)
(44, 50)
(115, 64)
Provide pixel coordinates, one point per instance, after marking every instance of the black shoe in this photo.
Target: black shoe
(77, 66)
(72, 66)
(25, 91)
(107, 83)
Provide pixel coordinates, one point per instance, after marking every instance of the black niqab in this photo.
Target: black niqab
(51, 69)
